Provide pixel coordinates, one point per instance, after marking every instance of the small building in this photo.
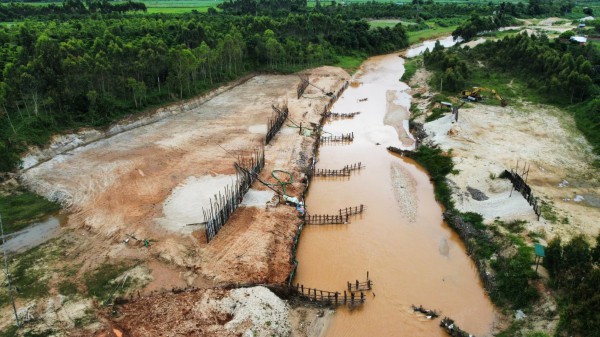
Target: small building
(581, 40)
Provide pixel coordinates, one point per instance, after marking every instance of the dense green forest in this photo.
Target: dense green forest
(61, 74)
(564, 74)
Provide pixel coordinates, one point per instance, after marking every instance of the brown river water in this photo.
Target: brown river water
(412, 256)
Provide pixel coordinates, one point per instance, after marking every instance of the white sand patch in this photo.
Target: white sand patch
(256, 198)
(385, 135)
(258, 309)
(184, 205)
(288, 130)
(489, 139)
(258, 128)
(438, 129)
(499, 205)
(405, 191)
(476, 42)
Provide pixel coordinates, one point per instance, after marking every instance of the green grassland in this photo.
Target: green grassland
(427, 34)
(175, 7)
(383, 23)
(350, 63)
(501, 34)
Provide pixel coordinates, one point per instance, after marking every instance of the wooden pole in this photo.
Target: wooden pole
(12, 299)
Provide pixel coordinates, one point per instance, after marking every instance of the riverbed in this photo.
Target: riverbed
(411, 255)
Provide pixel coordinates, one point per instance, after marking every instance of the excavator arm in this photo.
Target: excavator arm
(475, 95)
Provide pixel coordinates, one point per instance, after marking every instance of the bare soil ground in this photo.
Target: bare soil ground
(488, 139)
(139, 184)
(217, 312)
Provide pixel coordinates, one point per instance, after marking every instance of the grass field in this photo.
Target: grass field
(388, 23)
(174, 7)
(350, 62)
(312, 3)
(427, 34)
(501, 34)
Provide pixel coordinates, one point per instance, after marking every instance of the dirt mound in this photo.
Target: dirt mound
(204, 312)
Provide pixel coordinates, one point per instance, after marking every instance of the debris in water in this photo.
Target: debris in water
(563, 183)
(428, 313)
(453, 329)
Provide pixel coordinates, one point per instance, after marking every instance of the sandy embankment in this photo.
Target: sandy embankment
(489, 139)
(405, 191)
(152, 181)
(397, 116)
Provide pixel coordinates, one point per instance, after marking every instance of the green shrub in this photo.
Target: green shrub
(438, 164)
(67, 288)
(513, 278)
(410, 68)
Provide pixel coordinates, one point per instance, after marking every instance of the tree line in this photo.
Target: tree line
(18, 11)
(58, 75)
(476, 24)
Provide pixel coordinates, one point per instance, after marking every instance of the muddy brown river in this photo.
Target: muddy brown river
(412, 256)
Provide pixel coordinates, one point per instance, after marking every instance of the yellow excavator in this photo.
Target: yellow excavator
(474, 95)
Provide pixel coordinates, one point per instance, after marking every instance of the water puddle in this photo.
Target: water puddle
(35, 234)
(401, 240)
(256, 198)
(184, 206)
